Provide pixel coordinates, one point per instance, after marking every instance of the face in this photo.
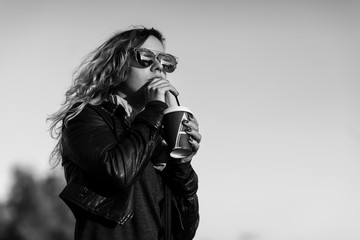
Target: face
(138, 77)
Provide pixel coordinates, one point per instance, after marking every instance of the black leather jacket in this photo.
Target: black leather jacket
(103, 155)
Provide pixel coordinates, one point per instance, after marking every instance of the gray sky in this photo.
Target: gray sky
(274, 85)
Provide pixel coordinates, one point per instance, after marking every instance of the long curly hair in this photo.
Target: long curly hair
(96, 78)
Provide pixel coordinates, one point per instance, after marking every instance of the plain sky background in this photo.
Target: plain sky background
(274, 84)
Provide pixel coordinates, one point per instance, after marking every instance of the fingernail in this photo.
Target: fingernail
(188, 130)
(190, 140)
(185, 121)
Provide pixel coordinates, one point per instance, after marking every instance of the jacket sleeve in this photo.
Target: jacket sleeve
(91, 143)
(183, 182)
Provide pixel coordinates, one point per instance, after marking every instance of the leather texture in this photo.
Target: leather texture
(103, 155)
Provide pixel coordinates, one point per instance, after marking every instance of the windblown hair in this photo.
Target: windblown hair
(97, 77)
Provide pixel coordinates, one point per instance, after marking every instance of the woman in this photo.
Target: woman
(121, 182)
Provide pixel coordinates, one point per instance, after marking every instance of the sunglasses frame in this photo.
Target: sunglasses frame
(155, 55)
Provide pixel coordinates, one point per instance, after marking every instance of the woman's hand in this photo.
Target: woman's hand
(156, 89)
(194, 136)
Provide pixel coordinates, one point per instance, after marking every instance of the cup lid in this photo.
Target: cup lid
(177, 109)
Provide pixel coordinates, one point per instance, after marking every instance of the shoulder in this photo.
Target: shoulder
(89, 116)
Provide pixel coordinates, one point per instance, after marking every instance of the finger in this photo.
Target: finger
(172, 89)
(195, 145)
(159, 89)
(194, 135)
(157, 82)
(193, 119)
(163, 85)
(192, 124)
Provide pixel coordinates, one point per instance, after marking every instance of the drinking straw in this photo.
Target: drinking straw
(177, 100)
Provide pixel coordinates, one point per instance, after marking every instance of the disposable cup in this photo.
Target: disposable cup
(175, 132)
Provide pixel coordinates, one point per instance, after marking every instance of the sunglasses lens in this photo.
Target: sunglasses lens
(144, 57)
(168, 61)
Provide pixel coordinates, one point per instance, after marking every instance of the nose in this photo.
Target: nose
(157, 66)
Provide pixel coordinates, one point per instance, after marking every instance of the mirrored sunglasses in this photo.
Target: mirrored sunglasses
(146, 57)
